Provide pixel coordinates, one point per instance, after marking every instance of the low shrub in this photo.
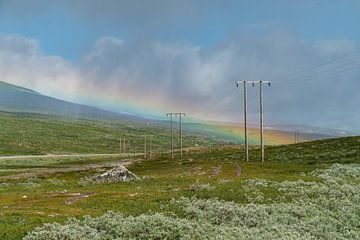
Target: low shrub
(328, 209)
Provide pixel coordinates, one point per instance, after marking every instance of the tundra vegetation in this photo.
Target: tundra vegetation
(303, 191)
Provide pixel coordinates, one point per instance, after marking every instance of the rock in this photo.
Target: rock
(117, 174)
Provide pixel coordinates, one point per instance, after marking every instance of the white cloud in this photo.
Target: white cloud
(23, 63)
(181, 76)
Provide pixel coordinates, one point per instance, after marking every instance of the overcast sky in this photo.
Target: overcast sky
(149, 57)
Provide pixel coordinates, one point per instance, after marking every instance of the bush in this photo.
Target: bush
(328, 209)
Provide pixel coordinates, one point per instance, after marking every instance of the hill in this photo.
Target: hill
(18, 99)
(26, 113)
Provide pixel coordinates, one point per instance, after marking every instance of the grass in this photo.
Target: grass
(29, 202)
(36, 134)
(48, 196)
(25, 134)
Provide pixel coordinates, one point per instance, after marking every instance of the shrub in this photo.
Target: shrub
(328, 209)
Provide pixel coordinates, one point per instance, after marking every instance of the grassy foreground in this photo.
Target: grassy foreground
(28, 202)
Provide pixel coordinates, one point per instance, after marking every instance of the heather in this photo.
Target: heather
(328, 208)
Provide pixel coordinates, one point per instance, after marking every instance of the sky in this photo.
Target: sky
(151, 57)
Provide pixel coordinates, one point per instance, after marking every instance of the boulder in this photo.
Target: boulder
(117, 174)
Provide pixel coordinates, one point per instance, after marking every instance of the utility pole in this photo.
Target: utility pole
(150, 146)
(245, 119)
(181, 132)
(144, 146)
(261, 116)
(120, 146)
(172, 134)
(296, 136)
(124, 145)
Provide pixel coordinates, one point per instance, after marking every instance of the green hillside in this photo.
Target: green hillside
(18, 99)
(33, 134)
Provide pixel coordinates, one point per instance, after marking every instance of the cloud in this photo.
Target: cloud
(22, 62)
(169, 76)
(141, 15)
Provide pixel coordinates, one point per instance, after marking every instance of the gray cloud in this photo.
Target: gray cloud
(186, 77)
(140, 15)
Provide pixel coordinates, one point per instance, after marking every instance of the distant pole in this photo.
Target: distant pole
(134, 142)
(296, 136)
(144, 146)
(172, 134)
(120, 146)
(181, 132)
(124, 145)
(150, 145)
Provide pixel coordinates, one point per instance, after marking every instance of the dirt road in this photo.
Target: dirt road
(41, 171)
(63, 155)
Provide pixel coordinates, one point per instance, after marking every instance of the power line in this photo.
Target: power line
(327, 73)
(315, 66)
(314, 74)
(286, 77)
(220, 100)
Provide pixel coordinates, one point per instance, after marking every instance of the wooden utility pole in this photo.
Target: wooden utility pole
(172, 134)
(124, 145)
(261, 117)
(181, 132)
(144, 146)
(120, 146)
(246, 144)
(150, 145)
(296, 134)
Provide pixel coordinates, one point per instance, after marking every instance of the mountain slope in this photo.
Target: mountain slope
(18, 99)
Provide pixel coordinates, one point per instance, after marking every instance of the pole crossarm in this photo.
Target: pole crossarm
(252, 82)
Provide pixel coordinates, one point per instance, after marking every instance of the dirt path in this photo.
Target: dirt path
(33, 172)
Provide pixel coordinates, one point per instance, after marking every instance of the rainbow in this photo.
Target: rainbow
(155, 107)
(234, 132)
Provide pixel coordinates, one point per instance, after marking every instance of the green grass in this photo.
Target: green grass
(33, 134)
(47, 195)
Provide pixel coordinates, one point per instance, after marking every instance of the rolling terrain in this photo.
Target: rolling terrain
(18, 99)
(33, 123)
(219, 173)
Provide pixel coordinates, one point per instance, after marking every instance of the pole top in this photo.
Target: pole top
(252, 82)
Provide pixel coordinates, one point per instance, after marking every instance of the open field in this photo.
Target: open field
(36, 134)
(27, 202)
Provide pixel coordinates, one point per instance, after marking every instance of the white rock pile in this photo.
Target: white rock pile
(117, 174)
